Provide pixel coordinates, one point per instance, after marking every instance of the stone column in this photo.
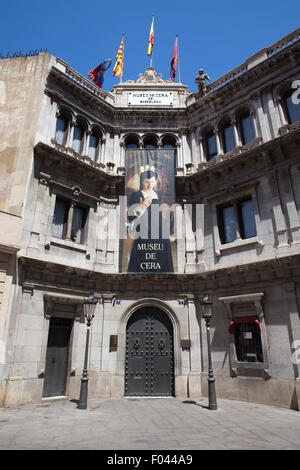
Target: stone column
(195, 390)
(283, 120)
(116, 148)
(195, 159)
(122, 154)
(106, 149)
(253, 117)
(189, 239)
(218, 141)
(272, 112)
(290, 205)
(235, 132)
(178, 156)
(86, 142)
(201, 150)
(260, 116)
(237, 225)
(69, 222)
(200, 237)
(279, 218)
(186, 156)
(70, 133)
(180, 237)
(101, 156)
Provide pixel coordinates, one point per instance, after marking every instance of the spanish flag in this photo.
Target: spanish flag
(151, 40)
(118, 68)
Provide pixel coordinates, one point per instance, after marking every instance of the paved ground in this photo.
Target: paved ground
(155, 424)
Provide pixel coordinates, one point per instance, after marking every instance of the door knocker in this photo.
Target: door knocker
(137, 343)
(161, 343)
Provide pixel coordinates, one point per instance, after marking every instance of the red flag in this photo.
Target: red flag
(174, 61)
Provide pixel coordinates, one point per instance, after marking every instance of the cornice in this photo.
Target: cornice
(55, 164)
(226, 171)
(240, 168)
(53, 277)
(256, 79)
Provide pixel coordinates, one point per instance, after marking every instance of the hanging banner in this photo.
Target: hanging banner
(150, 245)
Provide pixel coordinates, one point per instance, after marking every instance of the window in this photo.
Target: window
(228, 137)
(236, 220)
(131, 142)
(169, 143)
(247, 219)
(78, 223)
(60, 219)
(61, 130)
(246, 128)
(227, 224)
(93, 146)
(69, 221)
(210, 145)
(150, 143)
(247, 338)
(292, 110)
(77, 139)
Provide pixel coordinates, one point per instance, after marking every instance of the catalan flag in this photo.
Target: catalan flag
(118, 68)
(151, 40)
(97, 74)
(174, 61)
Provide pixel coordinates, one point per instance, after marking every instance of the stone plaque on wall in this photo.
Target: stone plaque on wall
(146, 98)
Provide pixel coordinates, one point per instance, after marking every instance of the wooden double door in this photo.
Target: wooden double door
(149, 368)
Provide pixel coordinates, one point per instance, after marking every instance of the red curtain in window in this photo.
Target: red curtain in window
(236, 320)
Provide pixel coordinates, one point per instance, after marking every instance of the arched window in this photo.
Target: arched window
(78, 138)
(150, 143)
(169, 142)
(292, 109)
(131, 142)
(228, 139)
(210, 143)
(246, 128)
(61, 129)
(93, 145)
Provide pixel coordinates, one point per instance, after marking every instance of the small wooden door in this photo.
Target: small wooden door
(57, 356)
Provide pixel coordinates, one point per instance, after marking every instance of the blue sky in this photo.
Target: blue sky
(216, 36)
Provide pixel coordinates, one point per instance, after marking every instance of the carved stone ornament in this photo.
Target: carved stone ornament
(76, 190)
(150, 76)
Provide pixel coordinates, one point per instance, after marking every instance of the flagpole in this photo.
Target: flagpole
(178, 60)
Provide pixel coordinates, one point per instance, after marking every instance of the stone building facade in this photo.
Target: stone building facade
(63, 147)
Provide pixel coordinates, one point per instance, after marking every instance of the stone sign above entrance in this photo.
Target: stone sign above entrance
(157, 98)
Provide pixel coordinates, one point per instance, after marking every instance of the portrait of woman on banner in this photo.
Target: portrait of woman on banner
(149, 226)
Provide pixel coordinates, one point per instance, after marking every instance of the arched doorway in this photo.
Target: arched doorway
(149, 354)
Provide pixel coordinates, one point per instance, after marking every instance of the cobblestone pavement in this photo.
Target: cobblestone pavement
(148, 424)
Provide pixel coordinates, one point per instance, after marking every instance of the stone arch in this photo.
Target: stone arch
(150, 137)
(131, 136)
(171, 137)
(147, 302)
